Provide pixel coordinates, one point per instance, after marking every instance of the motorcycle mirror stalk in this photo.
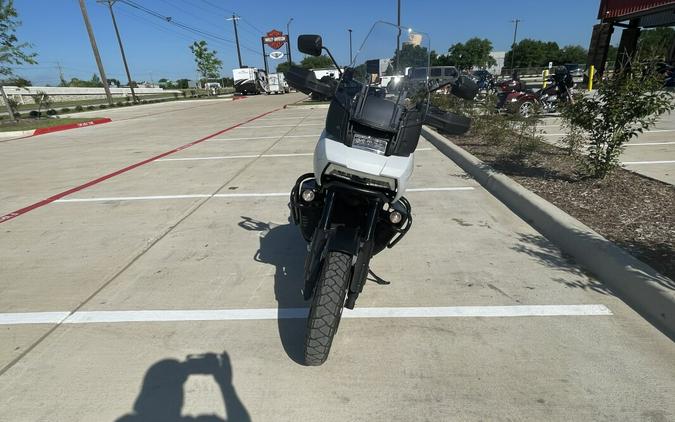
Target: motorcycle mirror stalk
(313, 45)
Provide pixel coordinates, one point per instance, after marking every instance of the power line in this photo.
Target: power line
(181, 25)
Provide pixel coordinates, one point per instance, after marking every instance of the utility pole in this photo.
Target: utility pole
(97, 56)
(350, 46)
(124, 57)
(62, 79)
(234, 20)
(288, 40)
(513, 46)
(262, 42)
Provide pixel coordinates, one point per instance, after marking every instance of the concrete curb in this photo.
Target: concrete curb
(20, 134)
(639, 285)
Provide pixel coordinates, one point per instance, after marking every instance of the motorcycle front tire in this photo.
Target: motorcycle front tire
(326, 308)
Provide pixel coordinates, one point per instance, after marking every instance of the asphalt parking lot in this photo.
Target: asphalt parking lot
(651, 154)
(116, 298)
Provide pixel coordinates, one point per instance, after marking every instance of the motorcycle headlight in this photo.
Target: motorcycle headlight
(360, 177)
(369, 143)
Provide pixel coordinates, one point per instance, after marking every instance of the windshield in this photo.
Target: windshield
(388, 77)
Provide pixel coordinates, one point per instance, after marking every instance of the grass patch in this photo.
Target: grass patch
(29, 124)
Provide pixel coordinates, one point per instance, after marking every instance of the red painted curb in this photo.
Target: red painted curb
(14, 214)
(42, 131)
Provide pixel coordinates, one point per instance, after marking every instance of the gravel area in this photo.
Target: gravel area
(635, 212)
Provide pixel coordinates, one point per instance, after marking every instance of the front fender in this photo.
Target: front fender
(344, 240)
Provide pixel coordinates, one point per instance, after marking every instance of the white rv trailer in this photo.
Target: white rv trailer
(275, 83)
(249, 80)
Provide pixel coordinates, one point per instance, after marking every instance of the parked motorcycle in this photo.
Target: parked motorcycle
(352, 206)
(485, 81)
(506, 87)
(559, 89)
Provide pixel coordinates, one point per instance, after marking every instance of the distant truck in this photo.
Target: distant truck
(249, 80)
(275, 83)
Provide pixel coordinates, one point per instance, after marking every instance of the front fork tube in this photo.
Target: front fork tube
(317, 247)
(360, 273)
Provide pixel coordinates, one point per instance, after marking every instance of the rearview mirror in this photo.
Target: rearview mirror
(310, 44)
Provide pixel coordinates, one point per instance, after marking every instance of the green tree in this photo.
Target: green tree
(316, 62)
(114, 82)
(208, 64)
(474, 53)
(533, 53)
(12, 52)
(182, 84)
(571, 54)
(285, 66)
(42, 100)
(656, 43)
(411, 55)
(16, 81)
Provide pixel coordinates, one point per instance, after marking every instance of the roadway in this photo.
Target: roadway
(111, 292)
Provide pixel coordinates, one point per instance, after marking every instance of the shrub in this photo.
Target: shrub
(17, 115)
(91, 108)
(103, 106)
(34, 114)
(79, 108)
(14, 106)
(52, 112)
(626, 104)
(65, 110)
(119, 104)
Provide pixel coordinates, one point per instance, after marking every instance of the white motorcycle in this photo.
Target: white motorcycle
(352, 206)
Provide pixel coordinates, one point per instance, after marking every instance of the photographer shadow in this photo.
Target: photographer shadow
(162, 393)
(284, 247)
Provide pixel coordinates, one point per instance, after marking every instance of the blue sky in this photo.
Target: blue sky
(156, 49)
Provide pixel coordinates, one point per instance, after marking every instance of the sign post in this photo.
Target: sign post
(275, 39)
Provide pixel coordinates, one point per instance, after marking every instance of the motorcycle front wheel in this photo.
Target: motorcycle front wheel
(326, 308)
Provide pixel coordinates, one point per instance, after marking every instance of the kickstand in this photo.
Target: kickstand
(377, 279)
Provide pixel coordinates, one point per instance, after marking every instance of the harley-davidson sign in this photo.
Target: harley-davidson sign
(275, 39)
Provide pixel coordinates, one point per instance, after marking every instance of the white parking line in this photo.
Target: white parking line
(650, 144)
(91, 317)
(228, 195)
(629, 163)
(264, 137)
(264, 127)
(230, 157)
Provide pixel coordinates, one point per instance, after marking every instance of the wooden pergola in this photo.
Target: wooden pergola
(632, 16)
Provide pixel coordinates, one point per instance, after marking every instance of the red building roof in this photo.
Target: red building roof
(616, 9)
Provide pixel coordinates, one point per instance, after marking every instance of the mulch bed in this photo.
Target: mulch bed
(635, 212)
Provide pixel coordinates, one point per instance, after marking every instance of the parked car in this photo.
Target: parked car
(575, 70)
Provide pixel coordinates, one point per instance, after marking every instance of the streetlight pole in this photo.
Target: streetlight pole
(124, 57)
(351, 59)
(288, 40)
(398, 37)
(97, 56)
(513, 46)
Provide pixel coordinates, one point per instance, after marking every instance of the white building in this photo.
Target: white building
(499, 57)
